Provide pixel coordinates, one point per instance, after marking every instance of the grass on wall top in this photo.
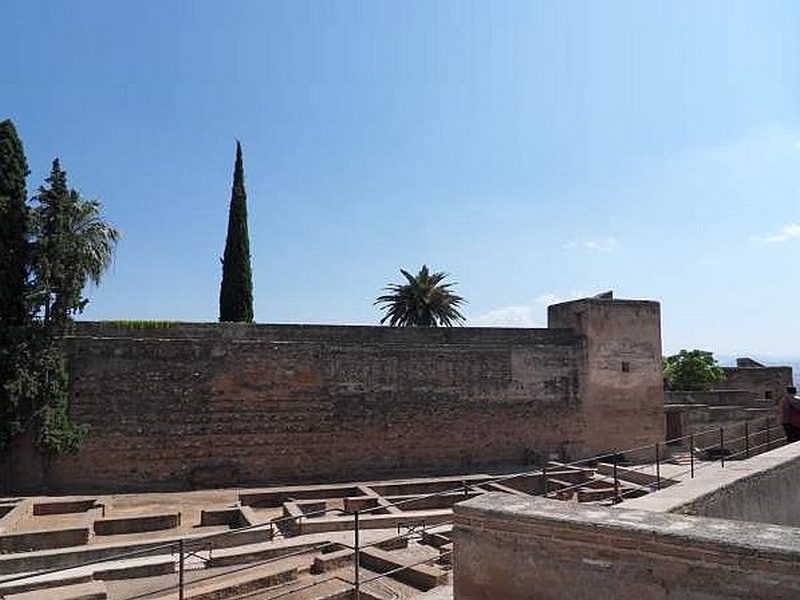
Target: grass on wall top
(142, 324)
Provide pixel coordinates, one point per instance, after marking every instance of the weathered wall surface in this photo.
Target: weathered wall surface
(282, 403)
(728, 398)
(763, 382)
(620, 370)
(762, 489)
(506, 546)
(750, 391)
(739, 430)
(213, 404)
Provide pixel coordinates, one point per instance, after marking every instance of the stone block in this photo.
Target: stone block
(421, 576)
(94, 590)
(332, 561)
(136, 524)
(43, 539)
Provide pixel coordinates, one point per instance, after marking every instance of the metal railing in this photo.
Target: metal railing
(753, 440)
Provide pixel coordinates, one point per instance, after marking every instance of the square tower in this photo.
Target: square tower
(621, 388)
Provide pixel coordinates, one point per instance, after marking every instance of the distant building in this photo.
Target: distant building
(750, 391)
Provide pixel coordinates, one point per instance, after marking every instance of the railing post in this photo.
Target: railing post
(544, 481)
(746, 440)
(180, 568)
(658, 468)
(722, 446)
(357, 557)
(766, 422)
(691, 455)
(617, 498)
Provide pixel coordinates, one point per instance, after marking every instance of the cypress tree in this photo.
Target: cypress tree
(48, 252)
(236, 291)
(14, 234)
(14, 274)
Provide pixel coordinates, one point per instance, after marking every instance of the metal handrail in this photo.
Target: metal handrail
(465, 488)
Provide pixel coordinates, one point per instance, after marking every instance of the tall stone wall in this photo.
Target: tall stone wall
(190, 404)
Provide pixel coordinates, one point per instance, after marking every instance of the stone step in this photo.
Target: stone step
(421, 576)
(127, 568)
(238, 584)
(332, 561)
(331, 589)
(30, 585)
(259, 552)
(94, 590)
(76, 555)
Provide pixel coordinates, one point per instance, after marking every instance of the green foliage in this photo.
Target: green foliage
(39, 395)
(17, 380)
(73, 247)
(143, 324)
(236, 291)
(50, 251)
(57, 433)
(13, 230)
(692, 370)
(423, 301)
(14, 269)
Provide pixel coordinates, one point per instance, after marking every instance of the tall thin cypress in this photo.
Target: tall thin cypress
(236, 291)
(14, 230)
(14, 274)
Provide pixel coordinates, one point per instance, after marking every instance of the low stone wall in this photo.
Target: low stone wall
(764, 489)
(44, 540)
(744, 398)
(512, 547)
(705, 421)
(17, 512)
(62, 507)
(137, 524)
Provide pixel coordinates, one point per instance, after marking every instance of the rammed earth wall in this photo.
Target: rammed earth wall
(506, 546)
(220, 404)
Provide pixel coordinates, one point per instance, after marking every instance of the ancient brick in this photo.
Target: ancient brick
(220, 404)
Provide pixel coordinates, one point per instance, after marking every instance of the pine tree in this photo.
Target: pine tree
(14, 234)
(236, 291)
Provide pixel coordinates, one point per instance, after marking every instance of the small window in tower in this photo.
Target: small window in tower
(768, 395)
(626, 366)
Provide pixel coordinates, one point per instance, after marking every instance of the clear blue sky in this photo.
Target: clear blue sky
(535, 150)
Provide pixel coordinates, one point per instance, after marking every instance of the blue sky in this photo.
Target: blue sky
(537, 151)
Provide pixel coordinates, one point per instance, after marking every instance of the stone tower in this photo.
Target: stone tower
(620, 369)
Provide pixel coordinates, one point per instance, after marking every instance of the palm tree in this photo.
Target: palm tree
(423, 301)
(96, 239)
(74, 245)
